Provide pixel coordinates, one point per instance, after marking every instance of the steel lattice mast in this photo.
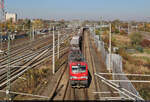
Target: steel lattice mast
(2, 10)
(2, 18)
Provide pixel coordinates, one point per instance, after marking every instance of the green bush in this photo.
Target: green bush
(117, 31)
(97, 32)
(136, 38)
(139, 48)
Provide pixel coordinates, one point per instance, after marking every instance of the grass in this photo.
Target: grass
(145, 93)
(135, 64)
(147, 50)
(138, 67)
(145, 59)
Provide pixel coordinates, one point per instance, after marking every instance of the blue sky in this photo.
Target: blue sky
(80, 9)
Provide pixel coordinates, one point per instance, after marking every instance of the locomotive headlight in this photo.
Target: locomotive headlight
(73, 77)
(85, 77)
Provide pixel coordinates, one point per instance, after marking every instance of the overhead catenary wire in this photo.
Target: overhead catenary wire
(24, 69)
(118, 88)
(105, 92)
(29, 67)
(26, 94)
(121, 74)
(134, 81)
(8, 72)
(23, 78)
(113, 98)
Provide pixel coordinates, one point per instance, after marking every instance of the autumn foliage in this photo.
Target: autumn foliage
(145, 43)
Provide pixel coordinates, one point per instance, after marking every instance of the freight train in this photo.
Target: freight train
(78, 68)
(12, 37)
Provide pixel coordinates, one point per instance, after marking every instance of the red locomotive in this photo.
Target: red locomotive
(77, 65)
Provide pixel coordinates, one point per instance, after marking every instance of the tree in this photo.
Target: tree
(27, 23)
(10, 25)
(136, 38)
(116, 22)
(97, 32)
(37, 23)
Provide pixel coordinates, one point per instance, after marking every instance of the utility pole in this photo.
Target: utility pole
(144, 26)
(136, 27)
(50, 29)
(101, 23)
(53, 51)
(1, 39)
(94, 29)
(101, 18)
(109, 48)
(119, 28)
(30, 33)
(128, 28)
(23, 27)
(8, 71)
(58, 45)
(33, 32)
(2, 12)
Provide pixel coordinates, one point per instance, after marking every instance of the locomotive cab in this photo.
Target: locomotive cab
(78, 74)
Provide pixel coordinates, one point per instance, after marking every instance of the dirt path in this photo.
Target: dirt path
(99, 67)
(89, 57)
(141, 55)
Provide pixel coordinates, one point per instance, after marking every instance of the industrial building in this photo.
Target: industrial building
(12, 16)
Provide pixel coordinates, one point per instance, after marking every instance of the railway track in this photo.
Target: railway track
(63, 90)
(23, 62)
(61, 85)
(24, 49)
(19, 44)
(25, 54)
(16, 70)
(80, 94)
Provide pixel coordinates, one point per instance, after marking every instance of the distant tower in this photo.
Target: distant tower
(2, 11)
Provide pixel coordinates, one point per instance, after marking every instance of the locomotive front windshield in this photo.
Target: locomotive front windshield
(78, 69)
(82, 68)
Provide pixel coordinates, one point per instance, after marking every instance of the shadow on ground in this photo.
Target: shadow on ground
(89, 79)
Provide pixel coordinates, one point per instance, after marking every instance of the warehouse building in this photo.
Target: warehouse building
(12, 16)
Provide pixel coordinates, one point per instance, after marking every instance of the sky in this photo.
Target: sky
(80, 9)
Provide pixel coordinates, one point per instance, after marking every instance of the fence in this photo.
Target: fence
(115, 64)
